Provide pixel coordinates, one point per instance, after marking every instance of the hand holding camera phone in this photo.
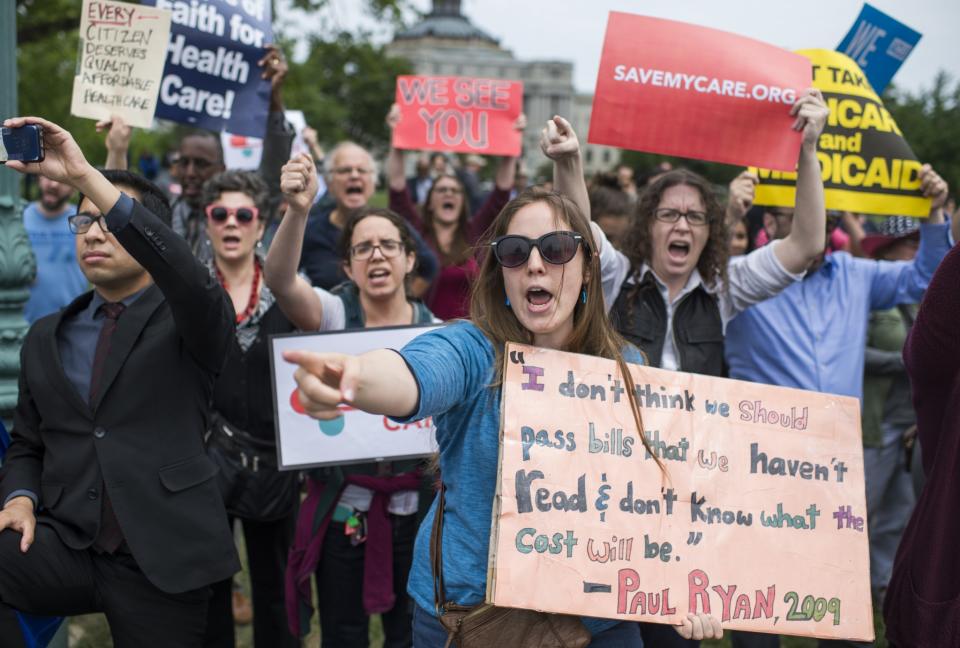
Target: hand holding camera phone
(24, 144)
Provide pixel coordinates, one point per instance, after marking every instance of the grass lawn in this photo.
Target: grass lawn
(91, 632)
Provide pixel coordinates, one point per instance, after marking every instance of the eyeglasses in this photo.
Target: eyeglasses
(556, 248)
(388, 248)
(667, 215)
(350, 170)
(220, 213)
(81, 223)
(456, 191)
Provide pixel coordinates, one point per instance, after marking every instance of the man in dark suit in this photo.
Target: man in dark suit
(109, 502)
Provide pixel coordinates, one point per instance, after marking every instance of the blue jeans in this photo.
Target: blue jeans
(428, 633)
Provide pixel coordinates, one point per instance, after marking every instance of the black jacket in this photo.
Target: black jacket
(640, 316)
(143, 437)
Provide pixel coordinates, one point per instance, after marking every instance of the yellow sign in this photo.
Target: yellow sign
(758, 518)
(867, 166)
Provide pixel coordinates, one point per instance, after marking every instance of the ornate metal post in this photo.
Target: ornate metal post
(17, 264)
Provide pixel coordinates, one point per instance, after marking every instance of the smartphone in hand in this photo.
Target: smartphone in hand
(24, 144)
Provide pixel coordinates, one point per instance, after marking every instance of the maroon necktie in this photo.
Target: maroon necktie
(110, 536)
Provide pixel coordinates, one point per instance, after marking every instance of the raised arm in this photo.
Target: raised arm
(507, 166)
(559, 142)
(853, 228)
(500, 196)
(807, 239)
(200, 308)
(396, 176)
(294, 294)
(278, 136)
(117, 142)
(904, 282)
(740, 198)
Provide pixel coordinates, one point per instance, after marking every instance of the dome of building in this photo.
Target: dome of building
(445, 21)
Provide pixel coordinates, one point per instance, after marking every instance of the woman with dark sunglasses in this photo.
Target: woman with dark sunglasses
(447, 225)
(540, 286)
(241, 438)
(378, 254)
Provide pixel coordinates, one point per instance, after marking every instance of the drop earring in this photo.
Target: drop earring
(583, 295)
(508, 302)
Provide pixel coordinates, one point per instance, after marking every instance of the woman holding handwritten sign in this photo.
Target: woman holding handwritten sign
(446, 223)
(538, 285)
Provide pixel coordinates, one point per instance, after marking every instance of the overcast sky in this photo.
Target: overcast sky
(573, 30)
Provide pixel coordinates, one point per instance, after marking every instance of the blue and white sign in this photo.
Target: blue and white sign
(211, 79)
(879, 45)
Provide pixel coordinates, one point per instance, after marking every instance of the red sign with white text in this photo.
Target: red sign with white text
(461, 114)
(679, 89)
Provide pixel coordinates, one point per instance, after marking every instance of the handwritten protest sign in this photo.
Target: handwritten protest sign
(758, 518)
(678, 89)
(866, 164)
(459, 114)
(879, 45)
(211, 79)
(356, 436)
(120, 61)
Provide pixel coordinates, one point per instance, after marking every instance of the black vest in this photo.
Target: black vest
(640, 316)
(243, 393)
(349, 294)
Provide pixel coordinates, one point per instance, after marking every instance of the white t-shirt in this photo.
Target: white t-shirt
(353, 496)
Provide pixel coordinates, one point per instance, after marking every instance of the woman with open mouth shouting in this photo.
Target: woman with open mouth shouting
(540, 285)
(378, 255)
(679, 285)
(241, 436)
(447, 225)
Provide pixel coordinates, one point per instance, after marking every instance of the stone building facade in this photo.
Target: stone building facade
(446, 43)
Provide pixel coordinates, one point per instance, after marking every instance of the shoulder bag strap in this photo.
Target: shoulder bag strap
(436, 552)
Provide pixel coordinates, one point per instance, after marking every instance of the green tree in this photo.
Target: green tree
(930, 122)
(345, 88)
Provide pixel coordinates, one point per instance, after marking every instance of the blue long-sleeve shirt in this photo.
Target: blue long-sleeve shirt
(812, 335)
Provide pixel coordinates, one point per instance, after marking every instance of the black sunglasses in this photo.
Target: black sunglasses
(219, 213)
(556, 248)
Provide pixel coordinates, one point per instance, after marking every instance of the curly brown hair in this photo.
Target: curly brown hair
(712, 263)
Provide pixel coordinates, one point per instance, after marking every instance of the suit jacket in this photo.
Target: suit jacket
(143, 436)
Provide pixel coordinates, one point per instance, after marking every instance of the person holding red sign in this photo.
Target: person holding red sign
(446, 224)
(679, 286)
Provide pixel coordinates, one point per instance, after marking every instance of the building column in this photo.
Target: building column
(17, 264)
